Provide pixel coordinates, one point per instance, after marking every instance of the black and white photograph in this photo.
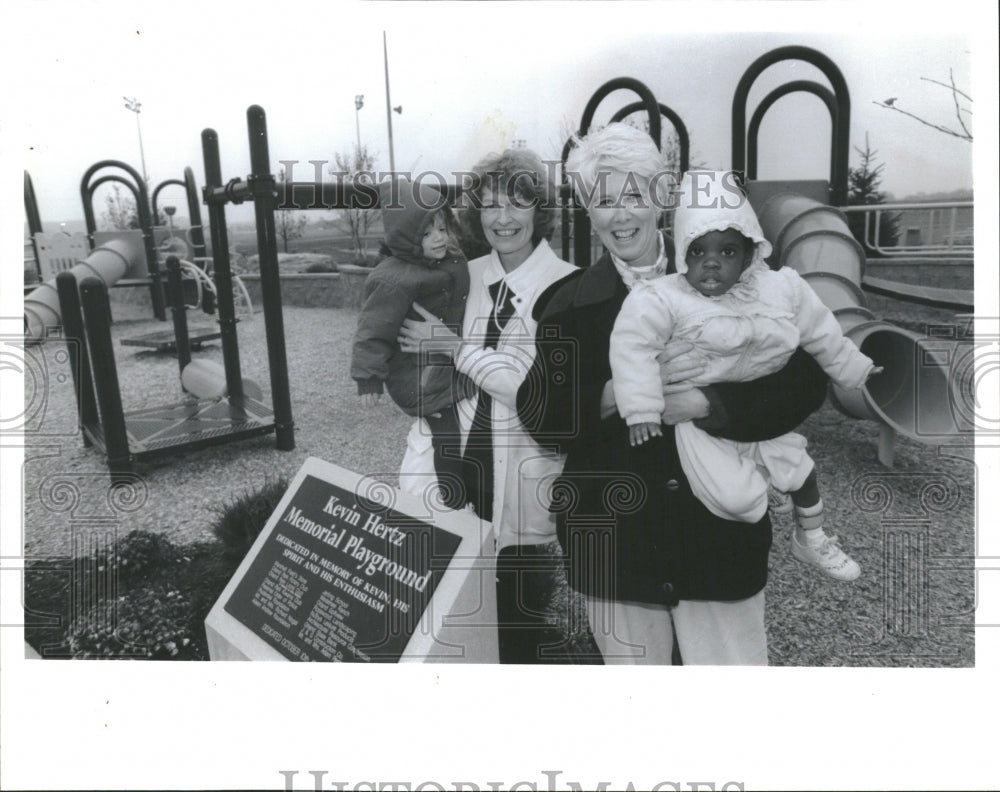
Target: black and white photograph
(473, 348)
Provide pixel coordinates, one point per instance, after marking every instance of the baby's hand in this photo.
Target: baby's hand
(369, 400)
(640, 433)
(874, 371)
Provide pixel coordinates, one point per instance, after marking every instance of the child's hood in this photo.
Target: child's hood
(407, 212)
(714, 201)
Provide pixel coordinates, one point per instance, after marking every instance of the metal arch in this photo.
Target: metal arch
(159, 188)
(842, 127)
(581, 222)
(31, 206)
(34, 218)
(194, 213)
(197, 231)
(674, 118)
(631, 84)
(138, 190)
(806, 86)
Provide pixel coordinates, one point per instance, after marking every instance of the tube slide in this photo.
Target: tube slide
(913, 395)
(109, 262)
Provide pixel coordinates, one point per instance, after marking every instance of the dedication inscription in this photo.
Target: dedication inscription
(341, 578)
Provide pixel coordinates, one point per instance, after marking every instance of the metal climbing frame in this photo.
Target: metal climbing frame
(841, 119)
(655, 111)
(88, 185)
(127, 438)
(259, 187)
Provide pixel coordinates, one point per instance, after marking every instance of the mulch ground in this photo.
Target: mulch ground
(132, 572)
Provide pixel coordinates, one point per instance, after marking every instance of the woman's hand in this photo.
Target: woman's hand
(679, 363)
(684, 406)
(427, 335)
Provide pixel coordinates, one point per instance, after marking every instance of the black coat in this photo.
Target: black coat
(630, 527)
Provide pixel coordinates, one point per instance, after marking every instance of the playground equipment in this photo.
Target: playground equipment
(108, 263)
(55, 253)
(913, 396)
(221, 406)
(137, 186)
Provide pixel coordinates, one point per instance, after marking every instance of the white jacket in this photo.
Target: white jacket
(522, 471)
(748, 332)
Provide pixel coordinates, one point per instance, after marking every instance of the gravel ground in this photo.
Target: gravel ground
(910, 527)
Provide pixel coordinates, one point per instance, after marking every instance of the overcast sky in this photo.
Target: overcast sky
(470, 78)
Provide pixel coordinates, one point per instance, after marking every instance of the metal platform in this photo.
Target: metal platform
(188, 425)
(165, 340)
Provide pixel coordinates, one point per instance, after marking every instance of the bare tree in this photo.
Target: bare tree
(358, 168)
(119, 213)
(288, 223)
(962, 132)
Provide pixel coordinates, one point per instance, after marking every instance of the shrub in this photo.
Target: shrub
(241, 520)
(368, 260)
(320, 267)
(146, 598)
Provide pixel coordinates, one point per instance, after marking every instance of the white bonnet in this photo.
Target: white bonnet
(714, 201)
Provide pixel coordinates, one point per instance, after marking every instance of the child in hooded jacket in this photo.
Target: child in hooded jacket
(422, 264)
(747, 320)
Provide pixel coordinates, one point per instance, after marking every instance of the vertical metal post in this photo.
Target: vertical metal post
(175, 293)
(34, 219)
(95, 310)
(197, 234)
(73, 332)
(568, 199)
(156, 290)
(265, 200)
(221, 270)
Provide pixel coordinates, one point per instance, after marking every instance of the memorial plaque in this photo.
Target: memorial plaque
(346, 569)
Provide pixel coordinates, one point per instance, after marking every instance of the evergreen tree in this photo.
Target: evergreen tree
(863, 189)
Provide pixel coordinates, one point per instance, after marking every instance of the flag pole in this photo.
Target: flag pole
(388, 104)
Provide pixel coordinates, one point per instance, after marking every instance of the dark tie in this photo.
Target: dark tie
(478, 468)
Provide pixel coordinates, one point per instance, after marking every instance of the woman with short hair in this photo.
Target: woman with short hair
(648, 556)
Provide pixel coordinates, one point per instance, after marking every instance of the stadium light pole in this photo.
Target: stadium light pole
(359, 102)
(133, 104)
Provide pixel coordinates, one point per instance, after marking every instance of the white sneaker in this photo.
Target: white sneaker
(827, 556)
(779, 502)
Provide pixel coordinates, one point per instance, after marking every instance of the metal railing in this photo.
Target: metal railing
(938, 230)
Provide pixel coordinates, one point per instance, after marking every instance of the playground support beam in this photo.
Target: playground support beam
(73, 332)
(265, 202)
(221, 267)
(94, 295)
